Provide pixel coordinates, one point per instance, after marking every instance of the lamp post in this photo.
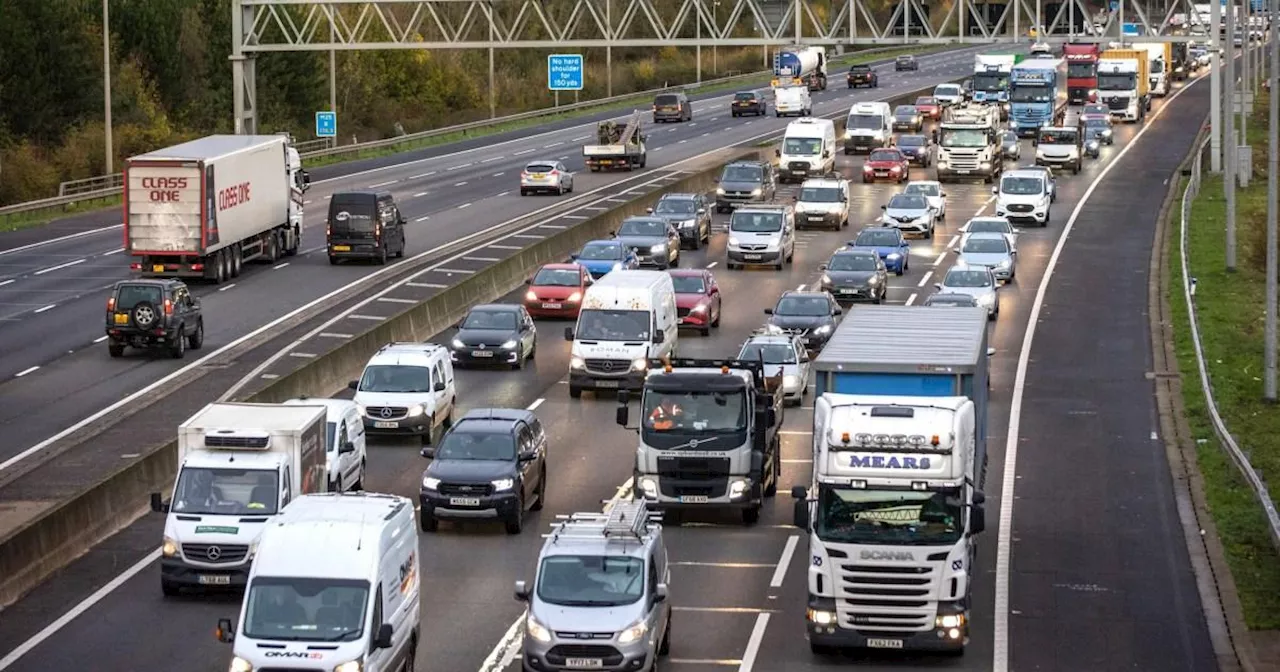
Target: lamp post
(1273, 159)
(106, 88)
(1229, 137)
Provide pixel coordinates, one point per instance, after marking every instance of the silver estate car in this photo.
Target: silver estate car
(548, 177)
(990, 250)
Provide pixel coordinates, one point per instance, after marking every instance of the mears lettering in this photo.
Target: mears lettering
(164, 189)
(232, 196)
(294, 654)
(890, 462)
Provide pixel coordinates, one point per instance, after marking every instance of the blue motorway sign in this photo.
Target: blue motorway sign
(1115, 5)
(1131, 29)
(564, 72)
(326, 124)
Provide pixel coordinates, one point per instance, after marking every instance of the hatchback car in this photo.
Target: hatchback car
(1011, 145)
(1095, 109)
(812, 315)
(153, 315)
(886, 164)
(929, 107)
(888, 244)
(855, 275)
(905, 62)
(697, 299)
(917, 148)
(748, 102)
(991, 251)
(654, 242)
(990, 224)
(977, 282)
(907, 118)
(910, 214)
(601, 256)
(556, 290)
(548, 177)
(781, 353)
(495, 333)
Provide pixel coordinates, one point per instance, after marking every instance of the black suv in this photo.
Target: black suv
(153, 314)
(862, 75)
(743, 183)
(491, 464)
(748, 102)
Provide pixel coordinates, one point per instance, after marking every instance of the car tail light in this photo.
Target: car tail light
(168, 307)
(524, 174)
(377, 231)
(328, 230)
(554, 173)
(135, 266)
(111, 304)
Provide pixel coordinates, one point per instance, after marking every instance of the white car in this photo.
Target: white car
(990, 225)
(782, 353)
(991, 251)
(344, 445)
(932, 192)
(910, 213)
(977, 282)
(407, 389)
(546, 177)
(948, 94)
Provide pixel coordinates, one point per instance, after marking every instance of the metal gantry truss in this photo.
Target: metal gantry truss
(263, 26)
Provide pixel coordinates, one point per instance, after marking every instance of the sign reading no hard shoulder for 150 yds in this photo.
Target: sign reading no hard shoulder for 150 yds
(564, 72)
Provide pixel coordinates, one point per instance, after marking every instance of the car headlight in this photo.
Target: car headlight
(509, 344)
(170, 548)
(790, 381)
(530, 296)
(1106, 133)
(986, 300)
(574, 297)
(756, 192)
(430, 482)
(824, 329)
(733, 242)
(350, 666)
(826, 279)
(617, 266)
(686, 224)
(873, 280)
(502, 484)
(577, 363)
(640, 364)
(894, 256)
(536, 630)
(239, 664)
(700, 308)
(720, 191)
(1093, 144)
(1004, 264)
(633, 633)
(416, 409)
(457, 343)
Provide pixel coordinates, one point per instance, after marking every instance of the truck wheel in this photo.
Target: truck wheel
(237, 260)
(575, 392)
(777, 465)
(169, 588)
(751, 516)
(515, 524)
(820, 649)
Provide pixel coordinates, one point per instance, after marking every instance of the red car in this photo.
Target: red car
(697, 298)
(929, 107)
(556, 290)
(886, 164)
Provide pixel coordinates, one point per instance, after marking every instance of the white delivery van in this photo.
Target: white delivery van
(789, 100)
(869, 126)
(808, 149)
(627, 318)
(344, 445)
(334, 587)
(239, 465)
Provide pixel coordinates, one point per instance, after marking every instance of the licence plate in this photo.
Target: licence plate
(606, 383)
(884, 643)
(481, 353)
(464, 501)
(539, 176)
(879, 173)
(552, 306)
(693, 499)
(214, 579)
(122, 318)
(849, 291)
(963, 172)
(341, 248)
(386, 425)
(584, 663)
(158, 268)
(753, 256)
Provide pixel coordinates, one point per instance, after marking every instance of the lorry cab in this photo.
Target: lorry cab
(334, 586)
(868, 126)
(240, 465)
(1060, 146)
(808, 148)
(627, 318)
(364, 225)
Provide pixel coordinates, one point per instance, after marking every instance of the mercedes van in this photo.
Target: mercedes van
(364, 225)
(808, 149)
(627, 318)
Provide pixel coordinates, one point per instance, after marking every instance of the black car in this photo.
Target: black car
(811, 314)
(907, 118)
(917, 148)
(495, 333)
(855, 275)
(364, 225)
(862, 75)
(905, 62)
(153, 315)
(748, 102)
(745, 182)
(689, 214)
(951, 300)
(491, 464)
(654, 241)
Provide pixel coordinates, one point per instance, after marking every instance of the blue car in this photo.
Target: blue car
(888, 243)
(601, 256)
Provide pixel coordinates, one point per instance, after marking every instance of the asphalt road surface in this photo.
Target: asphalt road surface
(1100, 579)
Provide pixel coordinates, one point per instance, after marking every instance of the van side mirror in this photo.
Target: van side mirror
(528, 455)
(522, 591)
(977, 519)
(347, 447)
(991, 352)
(158, 504)
(660, 593)
(623, 415)
(826, 153)
(353, 385)
(439, 386)
(822, 267)
(702, 211)
(995, 190)
(383, 638)
(777, 152)
(659, 337)
(225, 632)
(839, 310)
(768, 311)
(428, 452)
(937, 286)
(528, 281)
(568, 333)
(649, 210)
(885, 206)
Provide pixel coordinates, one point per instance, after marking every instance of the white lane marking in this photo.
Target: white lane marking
(76, 611)
(420, 194)
(502, 193)
(429, 285)
(279, 266)
(59, 266)
(99, 339)
(1004, 539)
(462, 271)
(26, 371)
(459, 184)
(458, 167)
(505, 247)
(500, 175)
(488, 260)
(753, 643)
(6, 282)
(940, 259)
(422, 218)
(223, 289)
(527, 151)
(536, 403)
(952, 243)
(372, 318)
(419, 177)
(925, 279)
(554, 144)
(464, 205)
(383, 184)
(910, 299)
(334, 334)
(712, 264)
(505, 652)
(491, 159)
(580, 138)
(800, 288)
(303, 355)
(116, 251)
(780, 573)
(796, 432)
(48, 307)
(391, 299)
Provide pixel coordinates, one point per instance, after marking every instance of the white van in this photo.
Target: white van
(789, 100)
(808, 149)
(869, 126)
(407, 389)
(627, 318)
(334, 586)
(344, 444)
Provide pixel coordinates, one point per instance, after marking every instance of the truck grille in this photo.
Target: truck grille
(962, 160)
(465, 489)
(215, 554)
(608, 367)
(607, 654)
(1029, 119)
(386, 412)
(686, 487)
(1117, 103)
(885, 599)
(693, 468)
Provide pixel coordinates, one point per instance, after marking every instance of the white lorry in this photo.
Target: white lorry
(203, 208)
(969, 144)
(239, 465)
(991, 80)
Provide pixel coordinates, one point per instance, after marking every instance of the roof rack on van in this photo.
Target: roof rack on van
(628, 518)
(426, 346)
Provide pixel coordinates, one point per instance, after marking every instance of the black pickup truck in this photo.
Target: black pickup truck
(862, 75)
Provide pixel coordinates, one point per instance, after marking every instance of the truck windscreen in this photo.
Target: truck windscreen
(990, 81)
(963, 138)
(1030, 93)
(1117, 82)
(1082, 69)
(226, 492)
(905, 517)
(695, 411)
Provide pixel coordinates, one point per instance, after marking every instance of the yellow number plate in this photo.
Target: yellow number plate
(158, 268)
(122, 318)
(539, 176)
(341, 248)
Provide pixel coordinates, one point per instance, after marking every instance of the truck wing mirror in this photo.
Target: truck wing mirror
(800, 514)
(623, 414)
(522, 591)
(158, 504)
(977, 519)
(225, 632)
(568, 333)
(383, 639)
(347, 447)
(353, 385)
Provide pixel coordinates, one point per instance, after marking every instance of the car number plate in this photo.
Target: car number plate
(341, 248)
(386, 425)
(157, 268)
(481, 353)
(963, 172)
(122, 318)
(584, 663)
(882, 173)
(693, 499)
(552, 306)
(606, 383)
(539, 176)
(884, 643)
(464, 501)
(753, 256)
(214, 579)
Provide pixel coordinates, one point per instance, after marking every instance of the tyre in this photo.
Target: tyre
(542, 491)
(169, 588)
(333, 261)
(196, 340)
(115, 349)
(178, 348)
(428, 522)
(381, 259)
(751, 515)
(575, 392)
(515, 524)
(772, 490)
(664, 647)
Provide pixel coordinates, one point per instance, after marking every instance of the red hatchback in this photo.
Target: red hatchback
(929, 107)
(697, 298)
(556, 291)
(886, 164)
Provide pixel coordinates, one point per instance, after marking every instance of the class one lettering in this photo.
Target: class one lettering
(164, 189)
(232, 196)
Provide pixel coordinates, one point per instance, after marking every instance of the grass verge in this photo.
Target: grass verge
(1230, 311)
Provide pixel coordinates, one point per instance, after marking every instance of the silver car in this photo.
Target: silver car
(990, 224)
(548, 177)
(977, 282)
(783, 353)
(910, 213)
(932, 192)
(1011, 145)
(951, 300)
(992, 251)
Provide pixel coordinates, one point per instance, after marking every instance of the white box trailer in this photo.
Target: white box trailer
(202, 208)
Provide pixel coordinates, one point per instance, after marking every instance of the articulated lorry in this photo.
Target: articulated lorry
(1124, 83)
(899, 457)
(795, 66)
(1082, 72)
(239, 465)
(991, 79)
(708, 435)
(203, 208)
(1159, 66)
(969, 145)
(617, 146)
(1037, 94)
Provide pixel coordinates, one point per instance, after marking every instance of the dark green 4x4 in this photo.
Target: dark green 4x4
(153, 315)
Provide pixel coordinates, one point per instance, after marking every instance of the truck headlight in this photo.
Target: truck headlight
(738, 487)
(536, 630)
(502, 484)
(577, 363)
(949, 621)
(720, 191)
(848, 135)
(350, 666)
(430, 482)
(170, 548)
(239, 664)
(633, 633)
(820, 617)
(985, 165)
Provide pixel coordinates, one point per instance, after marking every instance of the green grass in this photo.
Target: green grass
(33, 218)
(1230, 311)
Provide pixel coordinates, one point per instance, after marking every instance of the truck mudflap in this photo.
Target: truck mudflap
(828, 630)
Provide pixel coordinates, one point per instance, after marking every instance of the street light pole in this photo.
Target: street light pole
(1273, 160)
(1215, 88)
(1229, 138)
(106, 88)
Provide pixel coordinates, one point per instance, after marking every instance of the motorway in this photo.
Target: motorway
(55, 370)
(1099, 578)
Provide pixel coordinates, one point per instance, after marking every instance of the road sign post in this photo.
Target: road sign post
(564, 73)
(326, 124)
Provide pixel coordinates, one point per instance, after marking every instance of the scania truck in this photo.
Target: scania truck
(1037, 94)
(1124, 83)
(708, 435)
(991, 79)
(1082, 72)
(969, 145)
